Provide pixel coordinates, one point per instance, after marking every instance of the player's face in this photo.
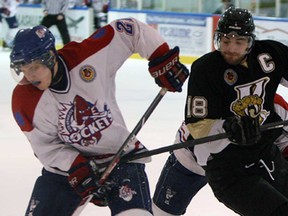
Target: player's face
(234, 48)
(37, 74)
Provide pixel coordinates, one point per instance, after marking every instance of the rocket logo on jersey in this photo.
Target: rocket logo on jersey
(81, 122)
(250, 100)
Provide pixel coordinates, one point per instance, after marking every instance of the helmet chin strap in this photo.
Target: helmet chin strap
(55, 76)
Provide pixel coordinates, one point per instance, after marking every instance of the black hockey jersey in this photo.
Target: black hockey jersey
(217, 90)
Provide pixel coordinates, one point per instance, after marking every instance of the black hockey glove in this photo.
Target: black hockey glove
(168, 72)
(84, 177)
(244, 130)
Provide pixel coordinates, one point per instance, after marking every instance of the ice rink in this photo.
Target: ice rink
(135, 91)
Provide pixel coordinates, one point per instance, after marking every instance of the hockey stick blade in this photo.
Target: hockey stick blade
(123, 148)
(190, 143)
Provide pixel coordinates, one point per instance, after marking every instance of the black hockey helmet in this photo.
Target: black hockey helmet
(235, 21)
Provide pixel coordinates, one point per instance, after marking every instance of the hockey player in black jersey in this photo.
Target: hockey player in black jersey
(232, 90)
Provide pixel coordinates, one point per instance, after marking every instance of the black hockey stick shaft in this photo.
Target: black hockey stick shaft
(273, 125)
(190, 143)
(135, 131)
(176, 146)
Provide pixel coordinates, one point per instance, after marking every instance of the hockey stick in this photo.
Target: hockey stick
(135, 131)
(123, 148)
(190, 143)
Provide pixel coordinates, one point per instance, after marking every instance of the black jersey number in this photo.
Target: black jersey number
(197, 107)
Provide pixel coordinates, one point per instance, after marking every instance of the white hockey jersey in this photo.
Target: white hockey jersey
(84, 117)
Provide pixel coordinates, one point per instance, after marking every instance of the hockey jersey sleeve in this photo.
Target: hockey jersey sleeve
(115, 43)
(28, 108)
(204, 108)
(139, 38)
(132, 36)
(281, 108)
(201, 99)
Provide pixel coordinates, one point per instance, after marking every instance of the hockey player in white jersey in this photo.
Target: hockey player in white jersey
(8, 10)
(65, 104)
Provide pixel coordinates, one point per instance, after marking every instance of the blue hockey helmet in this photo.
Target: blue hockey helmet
(32, 44)
(235, 22)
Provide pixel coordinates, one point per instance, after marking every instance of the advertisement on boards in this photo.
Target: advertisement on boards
(273, 29)
(190, 33)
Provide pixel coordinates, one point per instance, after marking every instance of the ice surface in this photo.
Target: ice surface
(135, 91)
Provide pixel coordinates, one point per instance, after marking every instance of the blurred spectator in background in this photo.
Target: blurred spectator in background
(54, 14)
(31, 1)
(8, 10)
(77, 3)
(100, 8)
(225, 5)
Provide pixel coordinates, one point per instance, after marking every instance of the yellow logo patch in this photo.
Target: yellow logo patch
(87, 73)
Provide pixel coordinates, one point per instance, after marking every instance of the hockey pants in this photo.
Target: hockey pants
(256, 189)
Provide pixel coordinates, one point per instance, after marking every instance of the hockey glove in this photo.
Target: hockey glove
(84, 177)
(244, 130)
(168, 72)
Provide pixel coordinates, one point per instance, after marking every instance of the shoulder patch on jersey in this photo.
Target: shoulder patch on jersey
(100, 33)
(24, 102)
(230, 77)
(105, 33)
(19, 119)
(87, 73)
